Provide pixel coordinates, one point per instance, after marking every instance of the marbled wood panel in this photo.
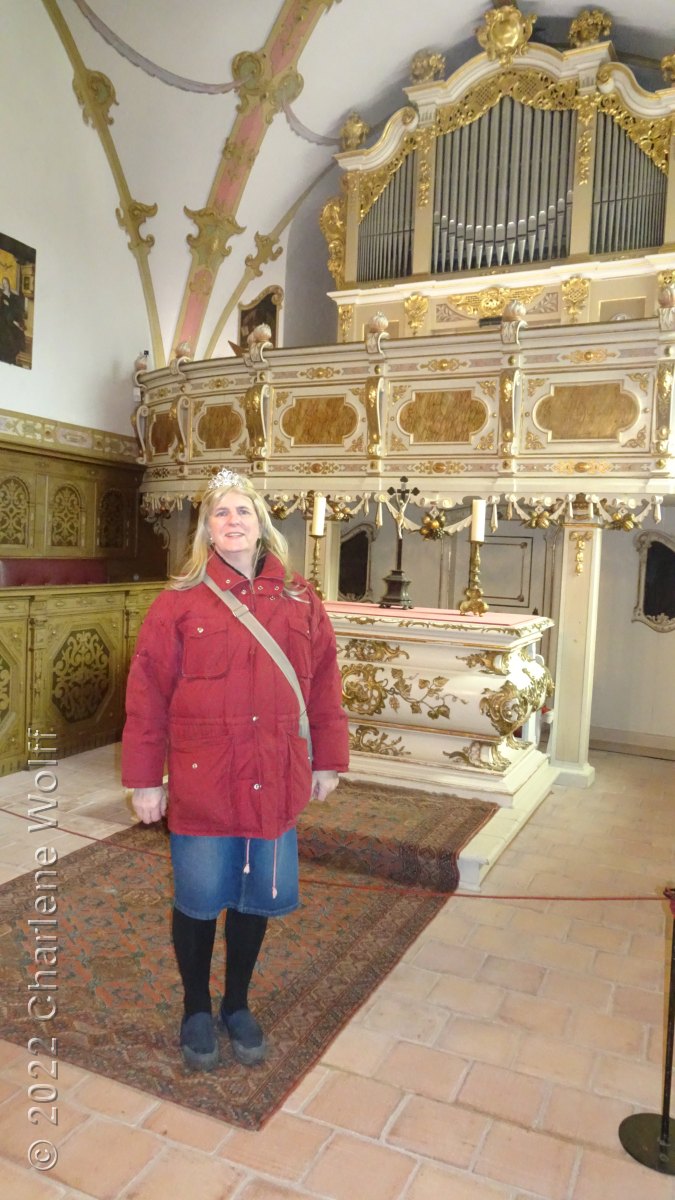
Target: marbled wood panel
(162, 432)
(218, 426)
(447, 416)
(588, 411)
(319, 421)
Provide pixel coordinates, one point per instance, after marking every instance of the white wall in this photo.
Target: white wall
(58, 196)
(634, 665)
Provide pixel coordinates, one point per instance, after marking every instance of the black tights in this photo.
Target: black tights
(193, 942)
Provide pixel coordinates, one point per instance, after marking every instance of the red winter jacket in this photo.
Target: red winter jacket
(204, 691)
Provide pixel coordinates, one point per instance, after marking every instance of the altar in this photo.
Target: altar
(446, 702)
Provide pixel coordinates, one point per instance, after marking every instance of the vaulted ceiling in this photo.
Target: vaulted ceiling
(232, 109)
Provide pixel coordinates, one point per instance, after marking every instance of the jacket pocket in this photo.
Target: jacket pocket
(298, 775)
(205, 653)
(300, 639)
(200, 769)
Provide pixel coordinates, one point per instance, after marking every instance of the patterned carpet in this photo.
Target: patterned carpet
(368, 856)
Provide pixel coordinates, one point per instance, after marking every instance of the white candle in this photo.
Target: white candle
(319, 516)
(478, 521)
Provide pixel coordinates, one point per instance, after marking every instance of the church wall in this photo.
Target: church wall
(58, 197)
(634, 665)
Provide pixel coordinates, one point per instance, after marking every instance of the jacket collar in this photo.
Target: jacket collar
(227, 576)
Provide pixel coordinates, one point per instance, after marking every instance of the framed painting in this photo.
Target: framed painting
(17, 299)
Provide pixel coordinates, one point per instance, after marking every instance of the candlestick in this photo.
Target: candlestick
(478, 521)
(474, 602)
(318, 516)
(315, 577)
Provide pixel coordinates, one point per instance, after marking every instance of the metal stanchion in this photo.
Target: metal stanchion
(646, 1136)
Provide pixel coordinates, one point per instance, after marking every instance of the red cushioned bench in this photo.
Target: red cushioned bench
(52, 572)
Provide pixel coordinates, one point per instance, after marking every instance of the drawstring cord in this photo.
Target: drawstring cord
(247, 866)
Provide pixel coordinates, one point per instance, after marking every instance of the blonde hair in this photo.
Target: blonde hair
(270, 538)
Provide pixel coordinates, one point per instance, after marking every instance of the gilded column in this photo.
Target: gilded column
(579, 583)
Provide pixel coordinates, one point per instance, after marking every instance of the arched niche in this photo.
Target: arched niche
(656, 582)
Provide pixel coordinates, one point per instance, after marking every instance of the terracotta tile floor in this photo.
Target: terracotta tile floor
(496, 1062)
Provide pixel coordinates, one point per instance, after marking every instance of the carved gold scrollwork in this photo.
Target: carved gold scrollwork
(505, 33)
(353, 132)
(427, 66)
(345, 314)
(130, 217)
(491, 301)
(375, 392)
(369, 650)
(371, 184)
(179, 411)
(416, 308)
(589, 27)
(256, 406)
(139, 421)
(580, 539)
(507, 708)
(535, 88)
(96, 96)
(366, 739)
(575, 292)
(268, 251)
(507, 385)
(256, 85)
(665, 379)
(586, 107)
(491, 662)
(362, 691)
(366, 694)
(333, 225)
(209, 246)
(652, 136)
(473, 756)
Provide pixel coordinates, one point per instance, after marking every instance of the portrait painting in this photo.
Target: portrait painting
(264, 310)
(17, 299)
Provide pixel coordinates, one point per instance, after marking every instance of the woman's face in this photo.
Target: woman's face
(234, 529)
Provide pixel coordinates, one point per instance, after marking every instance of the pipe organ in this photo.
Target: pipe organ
(525, 158)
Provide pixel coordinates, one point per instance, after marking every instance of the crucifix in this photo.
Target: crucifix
(396, 595)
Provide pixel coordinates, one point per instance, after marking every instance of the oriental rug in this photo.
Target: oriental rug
(377, 865)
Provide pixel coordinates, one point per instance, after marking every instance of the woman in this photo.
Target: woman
(203, 689)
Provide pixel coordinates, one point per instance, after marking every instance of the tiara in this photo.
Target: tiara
(227, 478)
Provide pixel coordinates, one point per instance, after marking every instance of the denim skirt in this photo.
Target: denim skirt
(253, 875)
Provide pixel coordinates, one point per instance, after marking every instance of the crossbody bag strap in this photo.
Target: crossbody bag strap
(243, 614)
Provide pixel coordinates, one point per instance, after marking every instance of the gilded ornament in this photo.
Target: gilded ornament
(370, 650)
(81, 675)
(534, 88)
(369, 185)
(268, 250)
(472, 756)
(668, 68)
(96, 96)
(416, 308)
(652, 136)
(256, 84)
(366, 739)
(532, 442)
(345, 315)
(575, 293)
(354, 132)
(586, 107)
(592, 25)
(426, 66)
(491, 302)
(506, 708)
(505, 33)
(580, 539)
(130, 218)
(491, 662)
(333, 225)
(209, 246)
(433, 525)
(441, 364)
(591, 356)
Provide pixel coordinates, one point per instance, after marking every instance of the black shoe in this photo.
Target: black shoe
(198, 1042)
(246, 1037)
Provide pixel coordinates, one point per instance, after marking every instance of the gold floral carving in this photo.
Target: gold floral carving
(354, 132)
(580, 539)
(652, 136)
(268, 251)
(472, 756)
(96, 96)
(486, 443)
(80, 675)
(441, 364)
(427, 66)
(589, 27)
(668, 68)
(130, 217)
(319, 421)
(14, 512)
(505, 33)
(586, 107)
(575, 292)
(370, 650)
(507, 383)
(426, 140)
(320, 372)
(65, 517)
(491, 662)
(532, 442)
(416, 308)
(641, 378)
(256, 84)
(586, 411)
(254, 415)
(442, 416)
(333, 225)
(374, 401)
(216, 227)
(664, 395)
(345, 315)
(490, 302)
(508, 707)
(366, 739)
(370, 184)
(534, 88)
(591, 356)
(366, 695)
